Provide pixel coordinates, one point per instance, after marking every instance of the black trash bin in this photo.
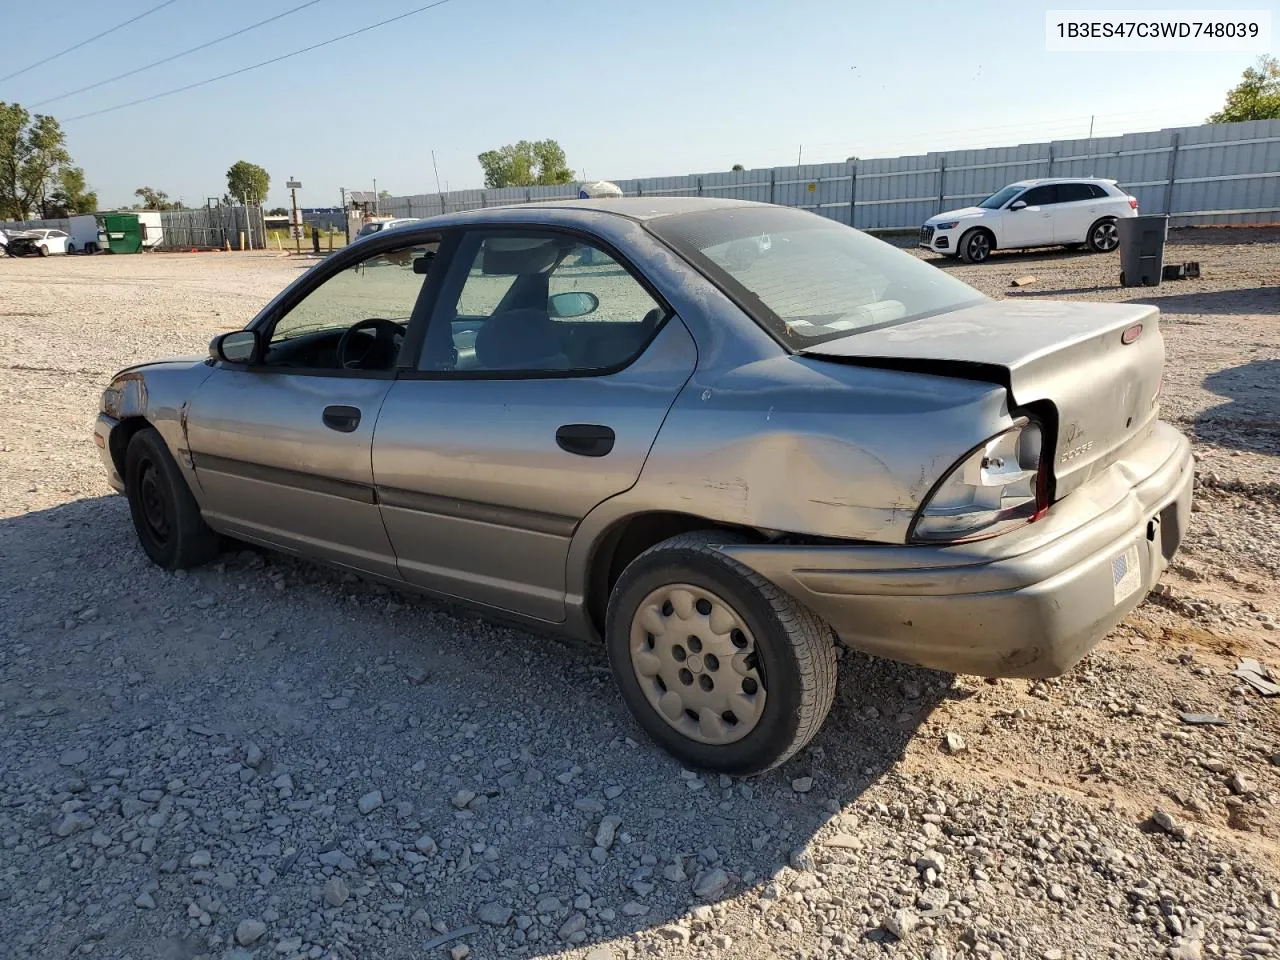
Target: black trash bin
(1142, 249)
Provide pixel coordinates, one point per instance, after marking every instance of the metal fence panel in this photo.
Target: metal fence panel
(1214, 173)
(212, 227)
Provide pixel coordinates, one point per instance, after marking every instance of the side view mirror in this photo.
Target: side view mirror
(239, 346)
(575, 303)
(1018, 205)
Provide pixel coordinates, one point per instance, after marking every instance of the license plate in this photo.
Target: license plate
(1126, 573)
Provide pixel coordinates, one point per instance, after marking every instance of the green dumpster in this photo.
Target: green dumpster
(124, 233)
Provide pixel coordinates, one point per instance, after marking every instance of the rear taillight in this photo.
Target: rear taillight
(1133, 203)
(998, 486)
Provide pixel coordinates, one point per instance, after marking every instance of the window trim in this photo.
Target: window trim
(264, 323)
(459, 235)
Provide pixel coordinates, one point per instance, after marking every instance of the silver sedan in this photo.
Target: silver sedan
(719, 436)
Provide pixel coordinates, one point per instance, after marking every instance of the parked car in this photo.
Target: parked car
(1071, 212)
(376, 226)
(716, 469)
(4, 243)
(40, 242)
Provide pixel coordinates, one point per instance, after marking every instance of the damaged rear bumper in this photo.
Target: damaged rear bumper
(1027, 604)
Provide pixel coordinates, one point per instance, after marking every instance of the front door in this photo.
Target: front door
(546, 372)
(281, 445)
(1032, 225)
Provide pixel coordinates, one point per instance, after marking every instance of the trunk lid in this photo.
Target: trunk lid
(1066, 361)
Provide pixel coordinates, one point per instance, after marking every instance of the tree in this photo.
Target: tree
(248, 182)
(156, 199)
(525, 164)
(72, 196)
(278, 212)
(32, 152)
(384, 194)
(737, 168)
(1255, 97)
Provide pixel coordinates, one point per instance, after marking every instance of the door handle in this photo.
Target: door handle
(585, 439)
(342, 419)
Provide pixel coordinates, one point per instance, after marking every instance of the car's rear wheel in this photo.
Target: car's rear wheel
(1104, 236)
(722, 668)
(976, 246)
(165, 514)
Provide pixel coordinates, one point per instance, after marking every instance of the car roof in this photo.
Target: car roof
(1044, 180)
(584, 211)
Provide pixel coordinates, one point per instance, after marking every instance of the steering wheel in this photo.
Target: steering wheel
(381, 354)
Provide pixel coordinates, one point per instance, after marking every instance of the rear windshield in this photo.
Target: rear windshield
(806, 278)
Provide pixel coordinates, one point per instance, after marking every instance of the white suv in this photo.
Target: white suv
(1033, 213)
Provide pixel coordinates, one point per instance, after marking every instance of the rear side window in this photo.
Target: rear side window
(1097, 191)
(1074, 192)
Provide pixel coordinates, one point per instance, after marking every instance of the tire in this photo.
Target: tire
(44, 251)
(71, 248)
(976, 245)
(777, 657)
(165, 515)
(1104, 235)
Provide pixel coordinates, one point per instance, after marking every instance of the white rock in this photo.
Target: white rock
(250, 932)
(201, 858)
(901, 923)
(607, 831)
(336, 892)
(370, 802)
(710, 884)
(802, 784)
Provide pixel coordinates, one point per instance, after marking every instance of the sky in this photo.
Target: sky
(635, 89)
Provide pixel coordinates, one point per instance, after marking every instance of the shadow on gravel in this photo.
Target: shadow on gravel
(1250, 419)
(1252, 300)
(504, 749)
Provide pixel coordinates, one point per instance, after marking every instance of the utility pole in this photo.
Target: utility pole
(436, 169)
(800, 154)
(346, 220)
(1091, 126)
(295, 218)
(376, 206)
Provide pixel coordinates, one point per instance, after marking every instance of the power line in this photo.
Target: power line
(203, 46)
(255, 66)
(98, 36)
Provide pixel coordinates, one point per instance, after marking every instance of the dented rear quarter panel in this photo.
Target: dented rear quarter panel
(809, 447)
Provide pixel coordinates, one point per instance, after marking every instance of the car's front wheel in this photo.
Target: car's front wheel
(975, 246)
(717, 664)
(71, 248)
(44, 251)
(165, 514)
(1104, 236)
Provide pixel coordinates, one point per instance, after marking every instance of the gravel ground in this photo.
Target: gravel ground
(266, 759)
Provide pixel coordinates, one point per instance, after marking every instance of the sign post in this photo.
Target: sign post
(295, 215)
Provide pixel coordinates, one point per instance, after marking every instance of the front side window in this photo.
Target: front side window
(1040, 196)
(1000, 198)
(807, 278)
(357, 318)
(539, 303)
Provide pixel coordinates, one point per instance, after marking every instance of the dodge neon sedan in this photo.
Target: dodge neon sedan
(635, 420)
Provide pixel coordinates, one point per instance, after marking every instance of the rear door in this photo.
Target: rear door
(1032, 225)
(1075, 211)
(546, 371)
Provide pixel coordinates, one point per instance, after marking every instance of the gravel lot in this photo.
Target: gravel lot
(266, 759)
